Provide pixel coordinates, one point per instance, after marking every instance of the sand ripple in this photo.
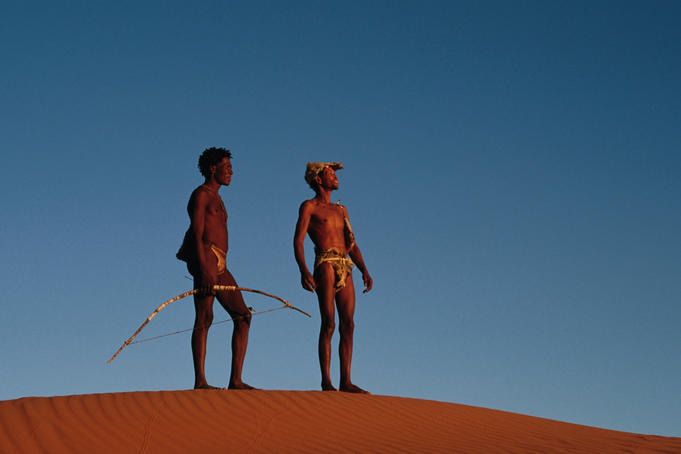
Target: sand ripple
(291, 422)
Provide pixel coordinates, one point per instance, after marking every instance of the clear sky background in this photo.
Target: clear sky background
(512, 173)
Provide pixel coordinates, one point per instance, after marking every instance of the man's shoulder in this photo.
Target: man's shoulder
(308, 204)
(200, 189)
(204, 192)
(314, 206)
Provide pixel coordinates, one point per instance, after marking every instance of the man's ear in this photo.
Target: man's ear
(213, 169)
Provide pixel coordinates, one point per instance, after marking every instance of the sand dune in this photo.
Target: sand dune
(291, 422)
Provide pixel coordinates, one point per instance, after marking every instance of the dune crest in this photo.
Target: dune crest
(291, 421)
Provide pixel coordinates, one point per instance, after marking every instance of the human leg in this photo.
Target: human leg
(325, 280)
(203, 305)
(233, 303)
(345, 300)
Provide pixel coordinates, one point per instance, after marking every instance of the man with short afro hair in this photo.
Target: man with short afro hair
(210, 157)
(205, 249)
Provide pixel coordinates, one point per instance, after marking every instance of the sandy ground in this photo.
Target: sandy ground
(291, 422)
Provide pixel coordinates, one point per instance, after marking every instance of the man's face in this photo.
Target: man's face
(223, 172)
(328, 178)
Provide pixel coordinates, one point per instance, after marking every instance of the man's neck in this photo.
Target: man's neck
(323, 195)
(212, 185)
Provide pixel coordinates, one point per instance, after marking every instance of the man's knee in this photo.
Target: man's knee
(203, 319)
(243, 320)
(328, 325)
(347, 327)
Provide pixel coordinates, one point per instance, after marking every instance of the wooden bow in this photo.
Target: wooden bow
(232, 288)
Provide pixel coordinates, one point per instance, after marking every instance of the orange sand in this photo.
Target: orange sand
(291, 422)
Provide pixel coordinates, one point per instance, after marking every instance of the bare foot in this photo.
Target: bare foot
(328, 386)
(206, 386)
(350, 388)
(240, 385)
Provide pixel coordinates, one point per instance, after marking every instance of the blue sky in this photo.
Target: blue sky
(512, 173)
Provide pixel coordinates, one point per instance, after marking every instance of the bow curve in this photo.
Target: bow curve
(231, 288)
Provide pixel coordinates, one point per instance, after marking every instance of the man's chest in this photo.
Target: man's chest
(327, 218)
(217, 209)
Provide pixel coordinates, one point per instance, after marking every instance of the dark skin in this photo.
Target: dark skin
(209, 226)
(324, 222)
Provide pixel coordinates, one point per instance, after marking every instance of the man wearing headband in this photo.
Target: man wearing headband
(329, 229)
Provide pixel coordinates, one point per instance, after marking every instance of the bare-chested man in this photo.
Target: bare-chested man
(205, 249)
(329, 229)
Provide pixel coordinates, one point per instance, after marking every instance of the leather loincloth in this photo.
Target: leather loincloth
(222, 258)
(187, 254)
(342, 265)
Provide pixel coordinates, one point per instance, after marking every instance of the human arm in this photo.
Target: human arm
(356, 256)
(302, 225)
(198, 205)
